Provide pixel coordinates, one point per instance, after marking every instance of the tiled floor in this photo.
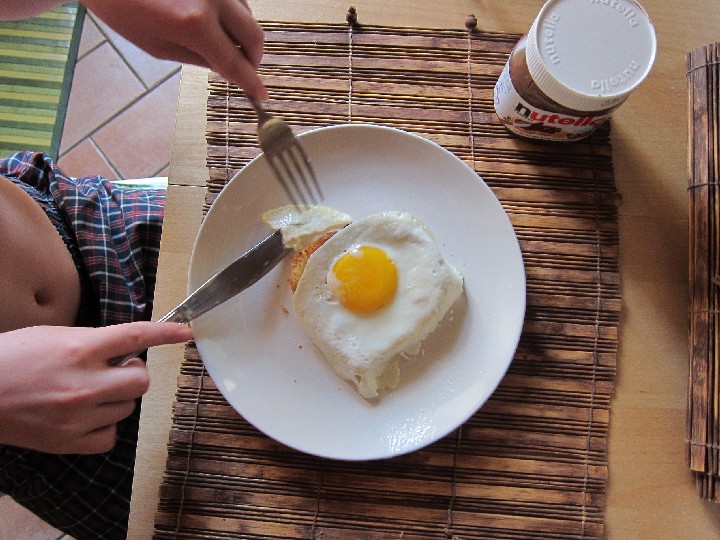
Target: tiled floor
(119, 124)
(121, 110)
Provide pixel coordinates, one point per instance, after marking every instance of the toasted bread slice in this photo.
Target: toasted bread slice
(297, 266)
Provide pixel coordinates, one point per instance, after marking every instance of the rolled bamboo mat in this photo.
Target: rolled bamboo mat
(532, 463)
(703, 425)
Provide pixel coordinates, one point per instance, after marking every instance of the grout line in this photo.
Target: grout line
(104, 156)
(128, 64)
(97, 45)
(91, 50)
(122, 110)
(110, 42)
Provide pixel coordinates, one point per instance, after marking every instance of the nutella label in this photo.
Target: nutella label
(524, 119)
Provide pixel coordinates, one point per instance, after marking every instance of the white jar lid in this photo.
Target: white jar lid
(588, 55)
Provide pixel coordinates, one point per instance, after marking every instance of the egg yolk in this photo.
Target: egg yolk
(364, 279)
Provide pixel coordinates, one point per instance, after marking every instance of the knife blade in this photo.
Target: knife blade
(243, 272)
(231, 280)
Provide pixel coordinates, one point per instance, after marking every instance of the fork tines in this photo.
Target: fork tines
(287, 158)
(290, 163)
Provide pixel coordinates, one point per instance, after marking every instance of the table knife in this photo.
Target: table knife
(243, 272)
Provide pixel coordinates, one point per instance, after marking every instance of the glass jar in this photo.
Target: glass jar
(580, 60)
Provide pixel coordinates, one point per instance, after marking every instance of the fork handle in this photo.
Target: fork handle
(262, 114)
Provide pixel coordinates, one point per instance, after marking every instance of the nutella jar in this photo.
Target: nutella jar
(580, 60)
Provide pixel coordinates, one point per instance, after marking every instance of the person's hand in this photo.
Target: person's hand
(222, 35)
(57, 392)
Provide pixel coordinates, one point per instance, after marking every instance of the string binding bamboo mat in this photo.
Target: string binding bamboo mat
(532, 463)
(703, 422)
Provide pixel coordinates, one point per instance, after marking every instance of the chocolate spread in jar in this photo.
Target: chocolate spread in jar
(538, 116)
(578, 63)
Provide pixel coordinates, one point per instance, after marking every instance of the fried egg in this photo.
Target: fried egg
(301, 224)
(372, 293)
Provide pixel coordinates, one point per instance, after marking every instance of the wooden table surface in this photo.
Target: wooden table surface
(650, 492)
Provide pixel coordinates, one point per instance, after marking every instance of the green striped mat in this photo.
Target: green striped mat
(37, 60)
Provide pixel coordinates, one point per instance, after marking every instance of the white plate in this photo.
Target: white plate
(270, 371)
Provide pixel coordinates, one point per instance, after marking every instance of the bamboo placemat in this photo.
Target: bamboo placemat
(532, 462)
(703, 424)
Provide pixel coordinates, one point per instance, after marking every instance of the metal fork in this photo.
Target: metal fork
(287, 158)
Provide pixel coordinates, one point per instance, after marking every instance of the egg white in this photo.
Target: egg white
(364, 348)
(301, 224)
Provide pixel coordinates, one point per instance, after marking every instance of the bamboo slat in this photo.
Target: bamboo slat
(703, 423)
(532, 463)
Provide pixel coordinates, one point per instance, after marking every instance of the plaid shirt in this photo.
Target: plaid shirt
(113, 235)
